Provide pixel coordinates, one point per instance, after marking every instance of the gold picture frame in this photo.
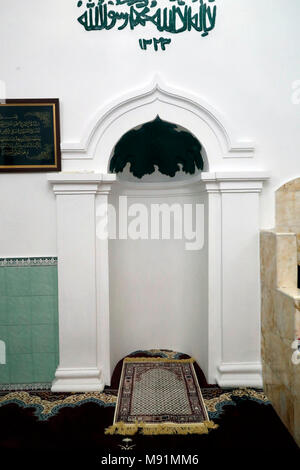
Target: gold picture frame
(30, 135)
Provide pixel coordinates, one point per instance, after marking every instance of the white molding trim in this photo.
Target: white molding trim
(220, 182)
(80, 182)
(235, 182)
(77, 380)
(157, 91)
(241, 374)
(80, 177)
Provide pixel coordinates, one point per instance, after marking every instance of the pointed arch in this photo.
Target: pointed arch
(174, 105)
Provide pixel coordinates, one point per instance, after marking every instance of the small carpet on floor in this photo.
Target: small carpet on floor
(159, 396)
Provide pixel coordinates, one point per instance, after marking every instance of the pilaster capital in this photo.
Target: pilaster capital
(234, 182)
(80, 183)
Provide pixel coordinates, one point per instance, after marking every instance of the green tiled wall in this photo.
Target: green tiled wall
(29, 320)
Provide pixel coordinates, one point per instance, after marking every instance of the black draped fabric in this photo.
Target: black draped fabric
(158, 144)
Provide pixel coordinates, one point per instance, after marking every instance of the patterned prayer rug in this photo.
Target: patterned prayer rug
(159, 396)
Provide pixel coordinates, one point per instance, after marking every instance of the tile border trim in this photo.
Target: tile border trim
(31, 386)
(25, 262)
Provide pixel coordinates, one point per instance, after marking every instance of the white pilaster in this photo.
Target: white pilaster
(79, 367)
(102, 277)
(234, 277)
(214, 279)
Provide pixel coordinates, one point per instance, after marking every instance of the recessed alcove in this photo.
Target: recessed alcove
(119, 295)
(159, 286)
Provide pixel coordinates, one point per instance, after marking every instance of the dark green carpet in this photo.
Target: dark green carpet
(247, 425)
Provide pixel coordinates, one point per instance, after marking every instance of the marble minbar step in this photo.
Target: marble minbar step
(280, 318)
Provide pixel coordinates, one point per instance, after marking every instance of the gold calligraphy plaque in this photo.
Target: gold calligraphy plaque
(30, 135)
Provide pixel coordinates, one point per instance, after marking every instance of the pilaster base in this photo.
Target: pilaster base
(77, 380)
(240, 375)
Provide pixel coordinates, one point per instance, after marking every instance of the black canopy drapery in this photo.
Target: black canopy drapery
(158, 144)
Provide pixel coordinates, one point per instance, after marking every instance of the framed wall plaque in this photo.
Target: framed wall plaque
(30, 135)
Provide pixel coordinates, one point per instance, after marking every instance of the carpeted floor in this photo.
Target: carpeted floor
(75, 424)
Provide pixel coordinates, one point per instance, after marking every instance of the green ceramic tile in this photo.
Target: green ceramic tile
(17, 281)
(2, 282)
(4, 374)
(3, 311)
(21, 368)
(56, 338)
(43, 280)
(29, 323)
(44, 365)
(43, 338)
(57, 360)
(55, 308)
(19, 339)
(55, 279)
(42, 309)
(18, 310)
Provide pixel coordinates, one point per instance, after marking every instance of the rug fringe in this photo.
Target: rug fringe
(147, 429)
(124, 429)
(158, 359)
